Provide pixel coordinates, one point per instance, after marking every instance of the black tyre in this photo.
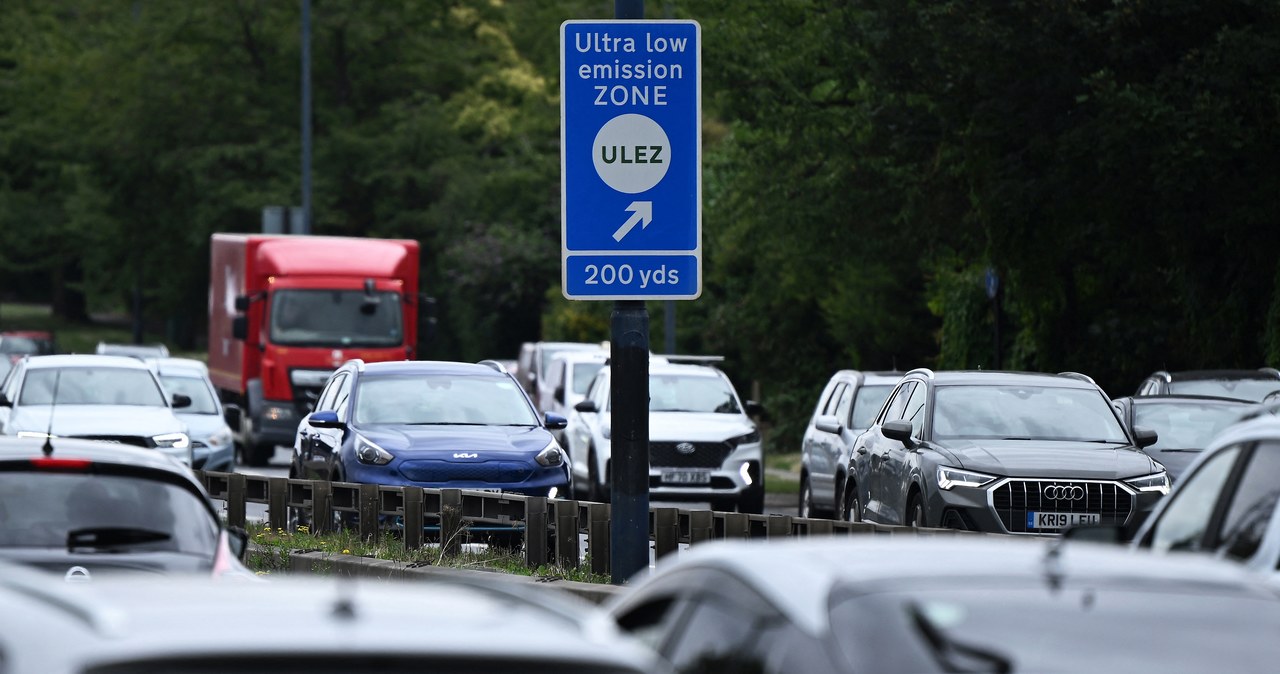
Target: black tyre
(852, 506)
(914, 517)
(805, 508)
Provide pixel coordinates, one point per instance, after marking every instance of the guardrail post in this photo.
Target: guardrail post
(736, 525)
(777, 526)
(277, 498)
(321, 507)
(567, 548)
(450, 521)
(535, 531)
(413, 517)
(666, 531)
(368, 512)
(820, 527)
(598, 521)
(702, 526)
(235, 500)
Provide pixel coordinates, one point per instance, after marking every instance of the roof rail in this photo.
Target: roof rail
(921, 370)
(493, 364)
(1077, 375)
(676, 358)
(1270, 370)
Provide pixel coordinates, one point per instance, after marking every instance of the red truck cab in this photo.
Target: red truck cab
(286, 311)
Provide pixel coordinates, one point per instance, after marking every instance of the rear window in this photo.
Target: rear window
(44, 509)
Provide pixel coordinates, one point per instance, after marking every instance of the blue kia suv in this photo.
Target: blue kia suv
(430, 424)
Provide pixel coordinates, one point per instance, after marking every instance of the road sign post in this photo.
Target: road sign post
(631, 219)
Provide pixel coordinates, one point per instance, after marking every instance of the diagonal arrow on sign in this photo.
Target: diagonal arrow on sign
(641, 212)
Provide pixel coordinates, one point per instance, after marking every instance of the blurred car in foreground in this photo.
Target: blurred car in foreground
(212, 444)
(85, 509)
(950, 604)
(703, 446)
(1252, 385)
(430, 424)
(1003, 452)
(1184, 425)
(846, 408)
(312, 625)
(108, 398)
(1226, 503)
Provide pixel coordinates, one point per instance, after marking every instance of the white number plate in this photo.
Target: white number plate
(686, 477)
(1037, 520)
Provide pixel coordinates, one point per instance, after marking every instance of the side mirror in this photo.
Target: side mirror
(753, 408)
(240, 327)
(325, 419)
(827, 424)
(586, 406)
(242, 303)
(238, 541)
(899, 430)
(1144, 437)
(180, 401)
(555, 421)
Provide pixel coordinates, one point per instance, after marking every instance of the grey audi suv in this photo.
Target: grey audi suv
(1006, 452)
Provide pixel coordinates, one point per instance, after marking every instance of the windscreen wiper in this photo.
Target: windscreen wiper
(445, 423)
(953, 655)
(108, 537)
(1180, 449)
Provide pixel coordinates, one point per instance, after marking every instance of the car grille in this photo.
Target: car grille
(134, 440)
(704, 454)
(492, 472)
(1015, 498)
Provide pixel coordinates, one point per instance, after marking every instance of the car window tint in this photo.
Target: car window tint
(914, 410)
(650, 622)
(716, 637)
(340, 400)
(1183, 522)
(1029, 412)
(442, 399)
(894, 409)
(825, 398)
(866, 404)
(91, 386)
(844, 404)
(202, 401)
(1185, 425)
(1253, 503)
(330, 394)
(833, 400)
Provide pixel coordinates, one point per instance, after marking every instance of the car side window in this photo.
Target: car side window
(893, 409)
(1183, 523)
(717, 637)
(340, 401)
(914, 409)
(844, 404)
(825, 398)
(1252, 504)
(330, 392)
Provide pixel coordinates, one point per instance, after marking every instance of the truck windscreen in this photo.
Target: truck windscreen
(336, 318)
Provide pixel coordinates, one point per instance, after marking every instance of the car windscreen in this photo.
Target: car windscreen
(102, 513)
(1024, 413)
(91, 386)
(866, 404)
(691, 393)
(1185, 425)
(1038, 627)
(583, 373)
(202, 401)
(428, 399)
(1242, 389)
(335, 318)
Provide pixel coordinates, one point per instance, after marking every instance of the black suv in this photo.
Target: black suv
(1006, 452)
(1253, 385)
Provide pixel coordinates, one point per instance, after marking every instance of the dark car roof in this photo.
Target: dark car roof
(994, 377)
(430, 367)
(1192, 375)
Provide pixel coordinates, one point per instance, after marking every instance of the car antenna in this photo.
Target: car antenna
(344, 606)
(47, 449)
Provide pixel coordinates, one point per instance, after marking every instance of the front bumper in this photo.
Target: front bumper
(539, 482)
(1003, 506)
(677, 477)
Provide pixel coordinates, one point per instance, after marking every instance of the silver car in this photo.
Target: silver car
(312, 624)
(109, 398)
(212, 444)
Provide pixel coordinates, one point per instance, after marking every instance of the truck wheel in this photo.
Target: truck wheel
(258, 454)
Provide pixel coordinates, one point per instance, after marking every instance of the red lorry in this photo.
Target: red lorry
(285, 311)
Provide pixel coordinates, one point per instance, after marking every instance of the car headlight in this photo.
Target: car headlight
(747, 439)
(171, 441)
(370, 453)
(1156, 483)
(954, 477)
(277, 413)
(550, 455)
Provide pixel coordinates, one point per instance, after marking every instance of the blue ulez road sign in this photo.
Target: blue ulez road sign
(631, 159)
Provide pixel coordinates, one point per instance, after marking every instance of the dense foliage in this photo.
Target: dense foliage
(1114, 162)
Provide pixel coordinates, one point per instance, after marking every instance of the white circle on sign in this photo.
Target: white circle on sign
(632, 153)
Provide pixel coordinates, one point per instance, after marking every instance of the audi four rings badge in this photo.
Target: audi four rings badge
(1063, 492)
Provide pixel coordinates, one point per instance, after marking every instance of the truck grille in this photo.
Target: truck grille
(492, 472)
(1015, 498)
(704, 454)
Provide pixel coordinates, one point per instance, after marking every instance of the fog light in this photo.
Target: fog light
(553, 492)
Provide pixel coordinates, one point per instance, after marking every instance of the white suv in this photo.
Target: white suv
(702, 445)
